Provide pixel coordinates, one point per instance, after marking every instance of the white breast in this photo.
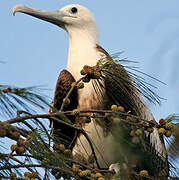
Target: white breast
(88, 99)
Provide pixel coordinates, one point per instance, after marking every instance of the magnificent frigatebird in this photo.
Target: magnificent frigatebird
(81, 27)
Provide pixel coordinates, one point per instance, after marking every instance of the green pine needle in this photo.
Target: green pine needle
(13, 99)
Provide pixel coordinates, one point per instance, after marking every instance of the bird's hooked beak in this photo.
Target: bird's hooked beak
(55, 17)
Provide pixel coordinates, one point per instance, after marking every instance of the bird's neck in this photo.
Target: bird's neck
(82, 51)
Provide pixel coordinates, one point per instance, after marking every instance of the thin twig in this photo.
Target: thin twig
(19, 166)
(48, 116)
(18, 161)
(110, 111)
(68, 94)
(79, 130)
(41, 124)
(22, 132)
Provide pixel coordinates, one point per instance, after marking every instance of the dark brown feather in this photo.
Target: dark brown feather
(63, 86)
(100, 49)
(62, 133)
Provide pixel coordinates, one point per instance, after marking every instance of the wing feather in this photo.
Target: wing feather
(64, 134)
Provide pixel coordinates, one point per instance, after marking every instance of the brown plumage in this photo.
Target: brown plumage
(101, 50)
(64, 134)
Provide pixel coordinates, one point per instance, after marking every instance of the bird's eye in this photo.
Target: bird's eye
(73, 10)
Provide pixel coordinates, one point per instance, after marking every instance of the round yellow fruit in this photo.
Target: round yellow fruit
(13, 147)
(161, 131)
(61, 147)
(144, 173)
(168, 126)
(98, 175)
(120, 108)
(75, 168)
(138, 132)
(80, 85)
(85, 173)
(168, 133)
(114, 108)
(76, 112)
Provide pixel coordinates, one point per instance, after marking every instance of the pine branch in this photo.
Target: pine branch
(33, 144)
(13, 99)
(39, 154)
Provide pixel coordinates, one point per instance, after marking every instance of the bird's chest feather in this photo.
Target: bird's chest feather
(88, 99)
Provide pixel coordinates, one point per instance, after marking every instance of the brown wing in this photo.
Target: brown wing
(64, 134)
(63, 86)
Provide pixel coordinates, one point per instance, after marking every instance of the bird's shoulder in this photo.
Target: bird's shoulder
(102, 51)
(63, 86)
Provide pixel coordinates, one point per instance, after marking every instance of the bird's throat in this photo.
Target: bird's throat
(81, 54)
(82, 51)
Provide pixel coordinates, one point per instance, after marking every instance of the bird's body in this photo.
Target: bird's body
(84, 50)
(87, 96)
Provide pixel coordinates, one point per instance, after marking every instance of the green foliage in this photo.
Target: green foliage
(124, 81)
(56, 160)
(13, 99)
(38, 154)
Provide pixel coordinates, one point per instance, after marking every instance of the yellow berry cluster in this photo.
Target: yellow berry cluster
(79, 85)
(21, 146)
(98, 176)
(27, 176)
(143, 173)
(76, 112)
(139, 127)
(61, 148)
(87, 173)
(66, 101)
(90, 72)
(116, 108)
(165, 128)
(84, 173)
(30, 175)
(7, 129)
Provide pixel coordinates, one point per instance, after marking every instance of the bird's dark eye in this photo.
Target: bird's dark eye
(74, 10)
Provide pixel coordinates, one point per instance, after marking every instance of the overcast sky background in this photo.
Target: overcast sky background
(35, 51)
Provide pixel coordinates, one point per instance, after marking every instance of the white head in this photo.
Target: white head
(80, 24)
(72, 18)
(79, 18)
